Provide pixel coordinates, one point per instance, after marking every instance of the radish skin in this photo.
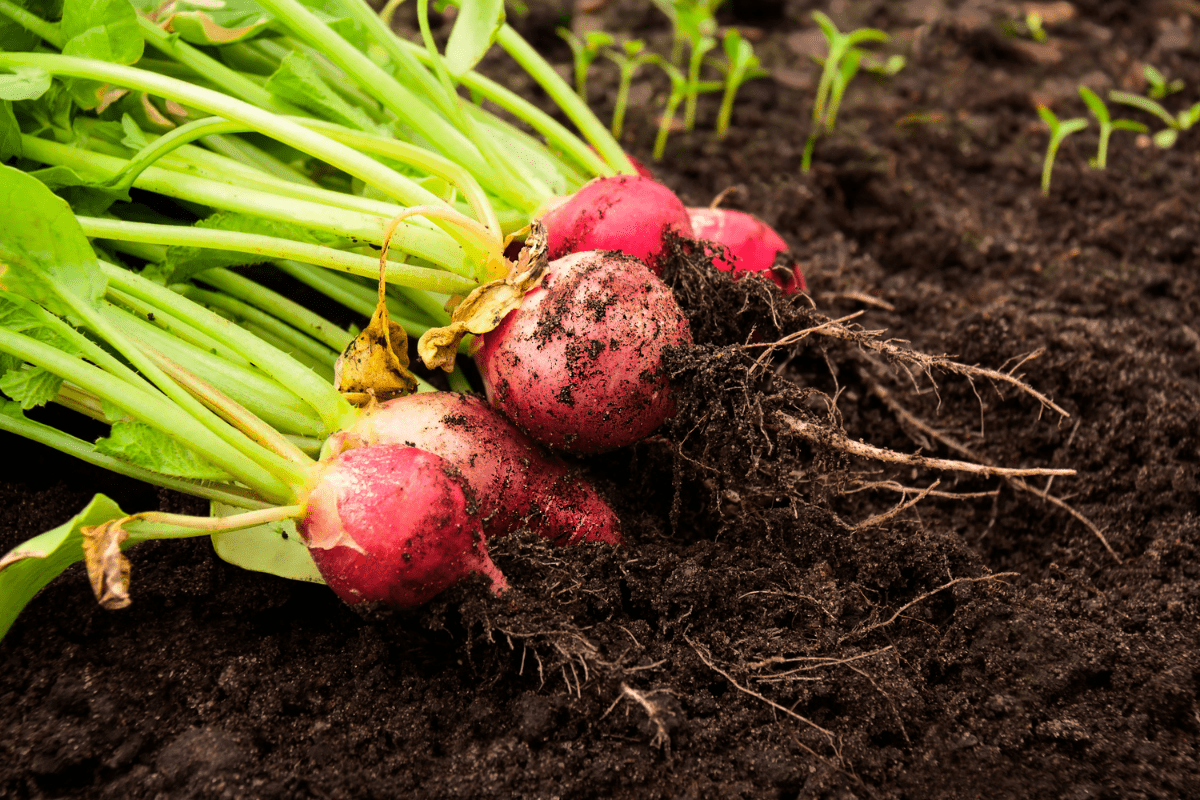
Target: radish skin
(628, 213)
(394, 524)
(579, 365)
(516, 483)
(751, 246)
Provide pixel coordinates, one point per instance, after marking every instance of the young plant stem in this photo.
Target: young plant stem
(153, 409)
(365, 168)
(1059, 130)
(272, 247)
(49, 32)
(333, 410)
(699, 49)
(571, 104)
(287, 310)
(295, 341)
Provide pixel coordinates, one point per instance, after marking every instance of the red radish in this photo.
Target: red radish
(579, 365)
(641, 168)
(751, 243)
(393, 524)
(628, 213)
(515, 482)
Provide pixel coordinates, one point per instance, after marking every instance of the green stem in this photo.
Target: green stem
(275, 404)
(270, 247)
(555, 132)
(151, 408)
(49, 32)
(365, 168)
(664, 126)
(354, 296)
(571, 104)
(211, 69)
(237, 149)
(333, 409)
(289, 311)
(296, 340)
(407, 106)
(86, 452)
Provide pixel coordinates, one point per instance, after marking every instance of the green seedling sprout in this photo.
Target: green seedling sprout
(681, 87)
(1059, 130)
(699, 26)
(628, 59)
(1166, 138)
(585, 51)
(1033, 23)
(743, 66)
(838, 68)
(1107, 125)
(1160, 87)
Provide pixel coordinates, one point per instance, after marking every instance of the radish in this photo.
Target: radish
(628, 213)
(579, 364)
(751, 244)
(394, 524)
(516, 484)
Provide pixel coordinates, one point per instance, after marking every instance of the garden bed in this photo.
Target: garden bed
(771, 628)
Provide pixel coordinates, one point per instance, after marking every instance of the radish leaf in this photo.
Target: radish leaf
(30, 387)
(103, 29)
(475, 30)
(24, 83)
(29, 566)
(44, 254)
(274, 548)
(148, 447)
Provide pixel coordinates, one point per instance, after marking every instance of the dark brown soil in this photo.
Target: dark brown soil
(759, 635)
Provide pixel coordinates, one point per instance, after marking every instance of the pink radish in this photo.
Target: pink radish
(515, 482)
(393, 524)
(628, 213)
(579, 365)
(752, 246)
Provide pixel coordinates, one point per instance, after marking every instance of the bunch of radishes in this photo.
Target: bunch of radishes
(410, 495)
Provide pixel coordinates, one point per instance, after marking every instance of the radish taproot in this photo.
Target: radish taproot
(394, 524)
(578, 365)
(751, 246)
(516, 484)
(628, 213)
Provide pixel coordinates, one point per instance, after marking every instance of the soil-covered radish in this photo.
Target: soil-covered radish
(516, 483)
(751, 244)
(394, 524)
(628, 213)
(579, 365)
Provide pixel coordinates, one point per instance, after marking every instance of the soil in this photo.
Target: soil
(775, 626)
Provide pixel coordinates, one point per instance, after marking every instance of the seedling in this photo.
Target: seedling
(631, 56)
(743, 66)
(1175, 123)
(1033, 23)
(586, 51)
(1160, 87)
(681, 87)
(838, 68)
(1107, 125)
(1059, 130)
(699, 26)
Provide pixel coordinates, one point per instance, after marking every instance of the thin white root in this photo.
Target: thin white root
(844, 443)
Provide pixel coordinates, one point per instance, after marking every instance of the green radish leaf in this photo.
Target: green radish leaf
(104, 29)
(24, 83)
(205, 22)
(298, 82)
(14, 37)
(274, 548)
(10, 132)
(31, 387)
(475, 29)
(85, 196)
(134, 138)
(184, 262)
(44, 254)
(1166, 138)
(148, 447)
(28, 567)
